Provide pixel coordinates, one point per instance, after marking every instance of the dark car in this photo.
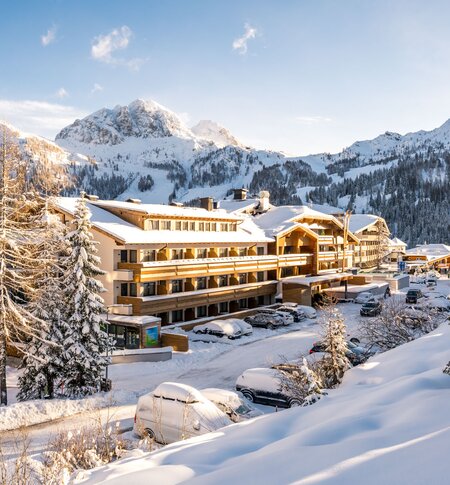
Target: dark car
(265, 320)
(370, 309)
(355, 354)
(297, 315)
(413, 295)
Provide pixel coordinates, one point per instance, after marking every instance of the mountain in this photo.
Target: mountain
(210, 130)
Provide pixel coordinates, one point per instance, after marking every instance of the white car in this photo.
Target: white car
(308, 311)
(245, 327)
(287, 317)
(220, 328)
(233, 404)
(364, 297)
(174, 412)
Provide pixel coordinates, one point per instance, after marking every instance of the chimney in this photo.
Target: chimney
(207, 203)
(264, 198)
(91, 197)
(134, 201)
(176, 204)
(240, 194)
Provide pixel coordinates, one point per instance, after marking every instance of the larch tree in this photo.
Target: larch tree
(19, 263)
(335, 361)
(85, 343)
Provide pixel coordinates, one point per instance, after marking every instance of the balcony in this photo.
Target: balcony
(189, 299)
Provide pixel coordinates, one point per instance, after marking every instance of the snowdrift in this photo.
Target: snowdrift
(389, 423)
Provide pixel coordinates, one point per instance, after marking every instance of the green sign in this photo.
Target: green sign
(151, 337)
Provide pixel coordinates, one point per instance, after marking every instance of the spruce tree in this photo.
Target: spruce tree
(84, 341)
(335, 362)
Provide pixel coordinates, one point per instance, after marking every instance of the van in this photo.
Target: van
(262, 385)
(174, 412)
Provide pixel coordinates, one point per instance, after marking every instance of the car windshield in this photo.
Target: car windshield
(370, 304)
(242, 408)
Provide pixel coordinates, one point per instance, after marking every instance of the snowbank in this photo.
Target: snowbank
(388, 423)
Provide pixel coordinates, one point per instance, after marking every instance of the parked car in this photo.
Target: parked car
(174, 411)
(297, 315)
(233, 404)
(265, 320)
(263, 386)
(370, 309)
(286, 316)
(413, 295)
(355, 353)
(431, 282)
(245, 327)
(438, 304)
(220, 328)
(309, 311)
(364, 297)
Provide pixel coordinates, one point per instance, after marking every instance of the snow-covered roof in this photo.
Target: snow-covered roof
(396, 242)
(308, 280)
(326, 209)
(430, 251)
(127, 233)
(162, 210)
(234, 205)
(359, 222)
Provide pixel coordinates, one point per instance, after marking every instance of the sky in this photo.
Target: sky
(302, 76)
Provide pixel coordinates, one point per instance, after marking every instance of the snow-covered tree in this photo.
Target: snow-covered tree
(42, 362)
(447, 369)
(84, 341)
(19, 262)
(335, 362)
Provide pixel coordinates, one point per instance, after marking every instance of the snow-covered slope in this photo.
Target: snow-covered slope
(389, 423)
(210, 130)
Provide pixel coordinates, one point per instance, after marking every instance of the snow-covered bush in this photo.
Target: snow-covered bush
(397, 324)
(300, 381)
(335, 362)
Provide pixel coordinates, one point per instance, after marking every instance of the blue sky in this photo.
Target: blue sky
(299, 76)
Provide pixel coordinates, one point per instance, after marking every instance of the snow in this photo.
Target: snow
(308, 280)
(260, 378)
(359, 222)
(388, 422)
(210, 130)
(179, 392)
(430, 251)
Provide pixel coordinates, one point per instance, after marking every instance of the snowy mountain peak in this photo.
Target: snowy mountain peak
(140, 119)
(210, 130)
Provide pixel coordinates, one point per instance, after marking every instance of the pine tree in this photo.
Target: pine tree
(84, 341)
(447, 369)
(42, 362)
(335, 362)
(19, 261)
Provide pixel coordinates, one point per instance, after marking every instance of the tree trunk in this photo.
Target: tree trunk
(3, 391)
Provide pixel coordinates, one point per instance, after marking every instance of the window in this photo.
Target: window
(177, 286)
(201, 311)
(223, 280)
(149, 289)
(201, 226)
(177, 225)
(192, 225)
(148, 255)
(233, 227)
(132, 289)
(177, 316)
(185, 225)
(177, 254)
(242, 251)
(243, 303)
(260, 276)
(224, 227)
(208, 226)
(165, 225)
(133, 256)
(213, 226)
(124, 256)
(242, 278)
(223, 252)
(202, 253)
(201, 283)
(128, 289)
(124, 289)
(154, 225)
(223, 307)
(260, 250)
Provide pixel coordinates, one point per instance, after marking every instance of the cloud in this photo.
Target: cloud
(49, 37)
(240, 44)
(105, 46)
(38, 117)
(312, 120)
(97, 87)
(61, 93)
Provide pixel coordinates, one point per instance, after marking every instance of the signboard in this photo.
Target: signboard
(151, 338)
(401, 266)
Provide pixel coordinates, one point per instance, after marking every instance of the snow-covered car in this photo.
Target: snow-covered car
(308, 311)
(262, 385)
(220, 328)
(370, 309)
(265, 320)
(356, 354)
(233, 404)
(246, 328)
(174, 411)
(439, 304)
(297, 314)
(287, 317)
(364, 297)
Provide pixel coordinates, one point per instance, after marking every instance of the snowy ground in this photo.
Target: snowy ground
(205, 365)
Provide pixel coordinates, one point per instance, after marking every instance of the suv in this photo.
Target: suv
(297, 315)
(355, 354)
(286, 316)
(413, 295)
(265, 320)
(370, 309)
